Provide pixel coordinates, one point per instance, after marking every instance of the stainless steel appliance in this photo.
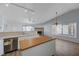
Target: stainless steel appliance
(10, 44)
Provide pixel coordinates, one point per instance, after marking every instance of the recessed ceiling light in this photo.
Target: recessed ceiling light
(7, 5)
(26, 10)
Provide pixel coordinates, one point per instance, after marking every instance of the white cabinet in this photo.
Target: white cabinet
(45, 49)
(1, 47)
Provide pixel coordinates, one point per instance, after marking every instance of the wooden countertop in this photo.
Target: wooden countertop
(35, 42)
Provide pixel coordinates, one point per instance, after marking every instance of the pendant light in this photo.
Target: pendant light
(56, 19)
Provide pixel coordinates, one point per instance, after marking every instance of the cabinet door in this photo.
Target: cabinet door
(1, 47)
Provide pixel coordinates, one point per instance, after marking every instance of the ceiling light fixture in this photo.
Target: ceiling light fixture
(26, 11)
(56, 19)
(7, 5)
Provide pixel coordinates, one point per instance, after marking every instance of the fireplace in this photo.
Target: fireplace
(40, 31)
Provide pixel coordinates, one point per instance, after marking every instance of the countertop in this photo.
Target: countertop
(37, 41)
(17, 34)
(10, 36)
(75, 40)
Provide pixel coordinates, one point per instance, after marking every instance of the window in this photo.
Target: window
(65, 29)
(53, 29)
(28, 28)
(57, 29)
(73, 29)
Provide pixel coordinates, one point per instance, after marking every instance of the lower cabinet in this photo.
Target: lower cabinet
(45, 49)
(1, 47)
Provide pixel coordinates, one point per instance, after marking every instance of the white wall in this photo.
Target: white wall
(12, 28)
(1, 23)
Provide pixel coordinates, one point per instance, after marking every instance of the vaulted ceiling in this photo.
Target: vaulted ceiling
(43, 12)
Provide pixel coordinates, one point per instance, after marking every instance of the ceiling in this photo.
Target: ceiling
(43, 12)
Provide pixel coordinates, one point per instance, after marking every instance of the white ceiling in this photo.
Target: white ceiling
(43, 12)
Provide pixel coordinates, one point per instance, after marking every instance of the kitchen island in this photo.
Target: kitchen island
(40, 46)
(31, 45)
